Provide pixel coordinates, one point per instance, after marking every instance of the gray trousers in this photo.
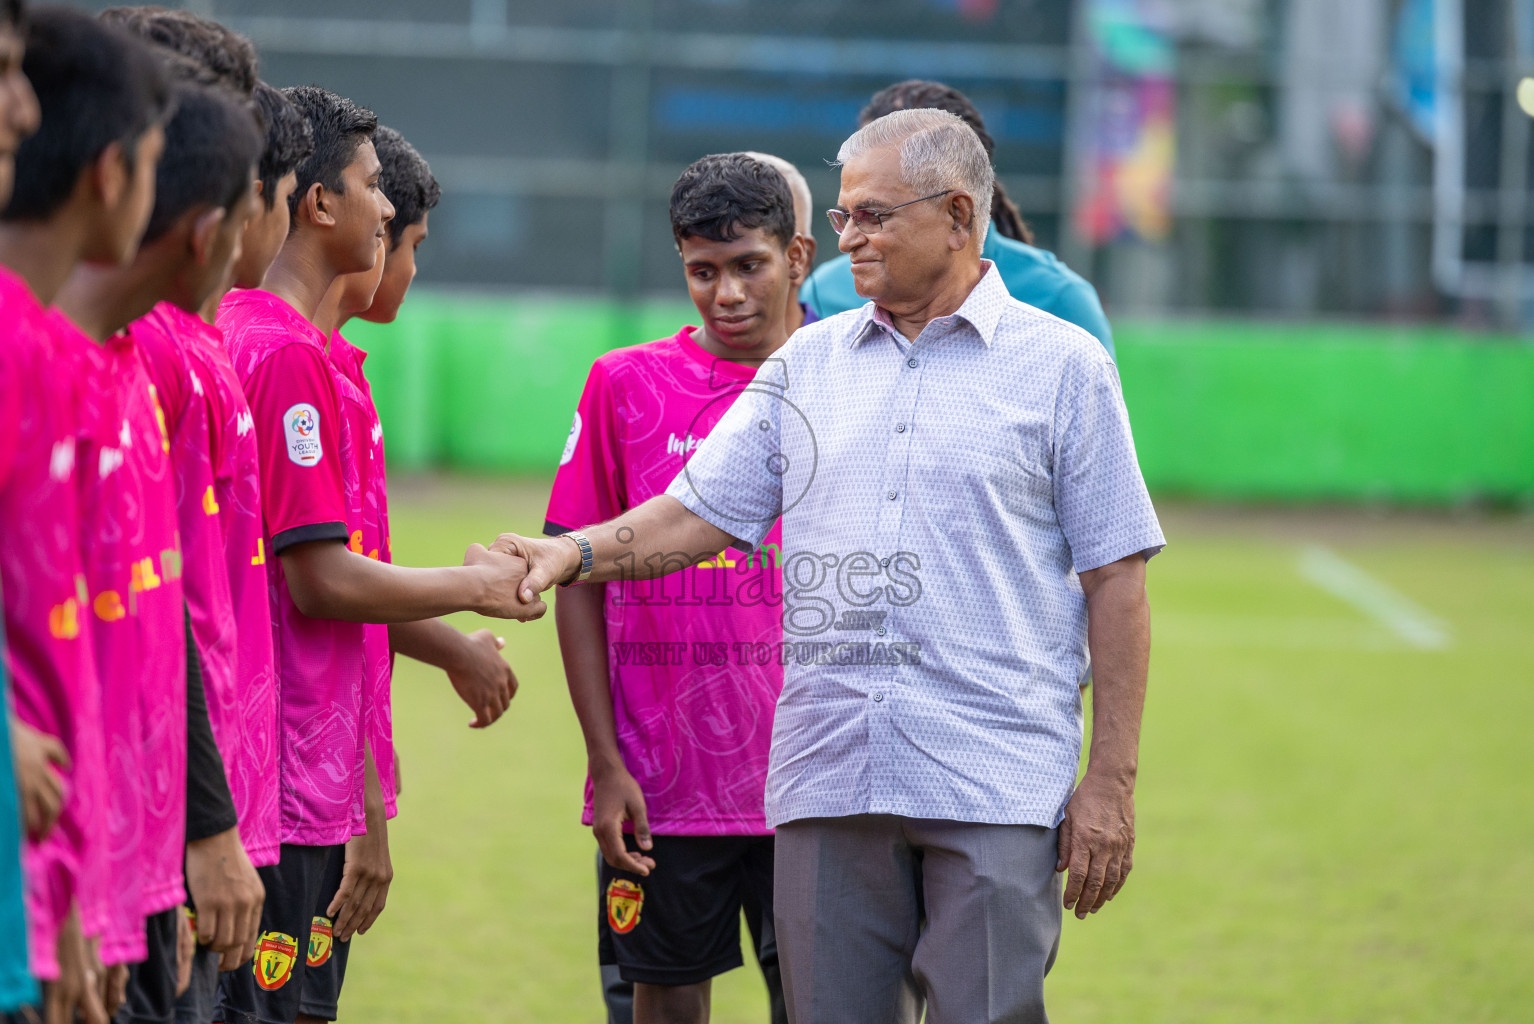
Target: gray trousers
(877, 915)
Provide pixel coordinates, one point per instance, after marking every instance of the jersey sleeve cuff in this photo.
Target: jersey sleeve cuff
(553, 529)
(303, 534)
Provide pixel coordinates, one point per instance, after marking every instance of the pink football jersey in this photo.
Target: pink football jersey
(372, 540)
(218, 496)
(47, 613)
(693, 656)
(309, 492)
(133, 573)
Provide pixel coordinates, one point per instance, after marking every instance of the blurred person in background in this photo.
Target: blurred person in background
(957, 482)
(28, 784)
(677, 750)
(799, 314)
(1031, 274)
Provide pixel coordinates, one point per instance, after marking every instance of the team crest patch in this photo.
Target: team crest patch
(275, 956)
(301, 427)
(625, 900)
(320, 939)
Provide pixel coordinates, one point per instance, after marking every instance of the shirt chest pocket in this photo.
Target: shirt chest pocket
(1003, 466)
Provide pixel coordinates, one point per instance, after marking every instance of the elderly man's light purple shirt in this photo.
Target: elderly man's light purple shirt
(938, 500)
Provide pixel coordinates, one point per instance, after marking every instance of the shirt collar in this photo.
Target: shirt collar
(981, 309)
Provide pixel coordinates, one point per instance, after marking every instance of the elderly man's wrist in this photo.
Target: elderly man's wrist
(572, 559)
(1115, 775)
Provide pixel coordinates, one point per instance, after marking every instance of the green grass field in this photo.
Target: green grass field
(1335, 815)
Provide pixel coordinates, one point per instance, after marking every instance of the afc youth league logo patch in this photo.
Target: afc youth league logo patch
(320, 939)
(572, 440)
(275, 956)
(301, 426)
(625, 900)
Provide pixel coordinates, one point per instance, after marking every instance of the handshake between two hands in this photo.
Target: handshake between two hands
(517, 569)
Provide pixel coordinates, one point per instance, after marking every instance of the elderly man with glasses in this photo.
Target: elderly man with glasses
(965, 528)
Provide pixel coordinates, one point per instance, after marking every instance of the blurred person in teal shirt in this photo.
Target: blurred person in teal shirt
(18, 989)
(17, 986)
(1032, 275)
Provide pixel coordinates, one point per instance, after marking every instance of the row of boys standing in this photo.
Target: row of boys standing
(193, 506)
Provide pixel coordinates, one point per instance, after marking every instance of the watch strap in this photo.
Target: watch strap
(583, 573)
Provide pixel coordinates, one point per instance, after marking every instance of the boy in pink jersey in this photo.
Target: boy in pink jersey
(218, 497)
(202, 197)
(668, 678)
(479, 674)
(82, 190)
(336, 778)
(472, 662)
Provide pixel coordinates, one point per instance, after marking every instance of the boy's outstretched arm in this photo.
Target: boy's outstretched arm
(329, 581)
(472, 661)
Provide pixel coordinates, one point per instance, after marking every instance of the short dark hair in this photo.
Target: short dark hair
(13, 13)
(289, 140)
(719, 195)
(95, 86)
(211, 147)
(228, 56)
(406, 179)
(339, 127)
(916, 94)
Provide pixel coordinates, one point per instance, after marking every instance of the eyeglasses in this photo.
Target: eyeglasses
(870, 221)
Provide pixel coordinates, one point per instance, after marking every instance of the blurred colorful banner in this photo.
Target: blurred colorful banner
(1129, 126)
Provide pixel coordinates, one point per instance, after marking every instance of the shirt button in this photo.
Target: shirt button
(900, 428)
(911, 363)
(884, 561)
(892, 495)
(880, 631)
(878, 697)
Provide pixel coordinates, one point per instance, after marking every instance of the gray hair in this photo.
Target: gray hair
(797, 187)
(937, 151)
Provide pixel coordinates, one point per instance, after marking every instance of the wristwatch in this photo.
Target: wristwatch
(584, 572)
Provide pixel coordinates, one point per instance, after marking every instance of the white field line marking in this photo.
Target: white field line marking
(1395, 611)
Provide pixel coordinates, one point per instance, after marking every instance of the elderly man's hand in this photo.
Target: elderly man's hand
(550, 560)
(506, 594)
(1097, 841)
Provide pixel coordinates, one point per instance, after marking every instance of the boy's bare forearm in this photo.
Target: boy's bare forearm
(429, 641)
(581, 620)
(329, 581)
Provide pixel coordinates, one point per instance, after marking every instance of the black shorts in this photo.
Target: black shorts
(294, 944)
(152, 981)
(681, 925)
(197, 1004)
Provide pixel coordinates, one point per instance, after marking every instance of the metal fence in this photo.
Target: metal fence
(1361, 158)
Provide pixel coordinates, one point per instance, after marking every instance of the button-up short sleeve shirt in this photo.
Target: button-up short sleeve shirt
(938, 498)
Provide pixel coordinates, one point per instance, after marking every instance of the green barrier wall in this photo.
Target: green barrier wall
(1223, 410)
